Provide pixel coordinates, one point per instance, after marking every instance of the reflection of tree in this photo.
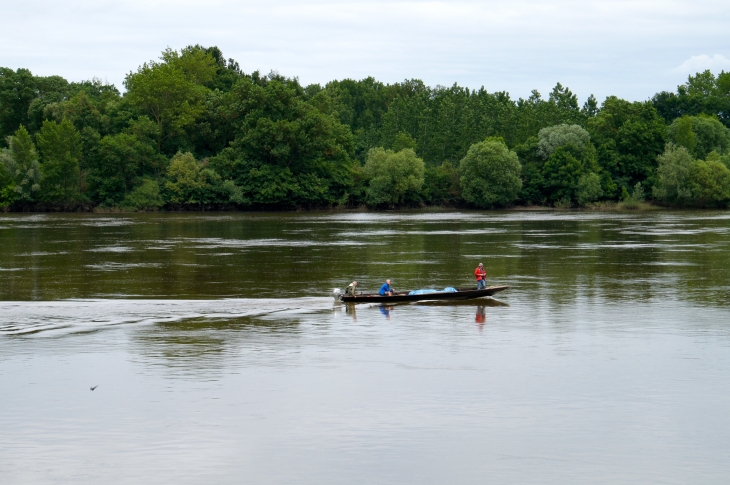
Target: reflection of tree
(203, 348)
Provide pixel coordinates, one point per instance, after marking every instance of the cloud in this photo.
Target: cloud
(703, 62)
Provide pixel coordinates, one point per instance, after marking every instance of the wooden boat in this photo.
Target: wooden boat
(461, 294)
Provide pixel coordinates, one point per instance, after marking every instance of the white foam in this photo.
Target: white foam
(68, 316)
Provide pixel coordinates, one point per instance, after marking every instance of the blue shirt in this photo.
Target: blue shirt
(384, 289)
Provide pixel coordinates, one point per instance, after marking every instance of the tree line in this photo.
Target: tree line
(193, 131)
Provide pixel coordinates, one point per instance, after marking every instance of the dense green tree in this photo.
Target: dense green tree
(673, 183)
(146, 196)
(17, 91)
(286, 151)
(60, 148)
(403, 141)
(172, 91)
(710, 184)
(628, 138)
(393, 177)
(685, 181)
(267, 141)
(700, 135)
(441, 184)
(570, 174)
(490, 174)
(553, 137)
(7, 186)
(703, 93)
(191, 183)
(120, 160)
(20, 161)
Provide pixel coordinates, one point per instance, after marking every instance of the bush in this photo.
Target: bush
(700, 135)
(490, 174)
(673, 175)
(393, 178)
(681, 180)
(588, 188)
(190, 183)
(710, 184)
(145, 196)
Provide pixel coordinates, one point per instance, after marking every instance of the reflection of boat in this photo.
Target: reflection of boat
(491, 302)
(460, 294)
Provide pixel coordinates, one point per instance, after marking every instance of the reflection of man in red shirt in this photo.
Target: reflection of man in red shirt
(481, 275)
(481, 317)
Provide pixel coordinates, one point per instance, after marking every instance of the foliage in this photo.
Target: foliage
(710, 184)
(265, 141)
(191, 183)
(285, 151)
(171, 91)
(570, 175)
(403, 141)
(120, 160)
(553, 137)
(703, 93)
(393, 177)
(146, 196)
(21, 168)
(441, 184)
(700, 135)
(490, 174)
(673, 175)
(628, 137)
(60, 147)
(633, 199)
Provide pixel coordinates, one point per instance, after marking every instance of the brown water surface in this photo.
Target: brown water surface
(221, 358)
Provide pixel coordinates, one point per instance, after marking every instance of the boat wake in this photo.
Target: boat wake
(67, 316)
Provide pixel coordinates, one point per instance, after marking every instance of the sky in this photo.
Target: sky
(630, 49)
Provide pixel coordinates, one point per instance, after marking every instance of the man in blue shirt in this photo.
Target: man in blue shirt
(386, 289)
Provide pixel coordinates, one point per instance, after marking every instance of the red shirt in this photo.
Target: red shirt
(480, 273)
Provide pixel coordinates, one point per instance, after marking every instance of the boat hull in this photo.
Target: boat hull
(462, 294)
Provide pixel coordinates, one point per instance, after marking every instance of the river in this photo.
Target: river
(220, 356)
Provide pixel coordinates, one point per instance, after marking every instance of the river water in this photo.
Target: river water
(221, 358)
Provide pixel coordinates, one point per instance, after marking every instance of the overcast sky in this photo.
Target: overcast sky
(628, 48)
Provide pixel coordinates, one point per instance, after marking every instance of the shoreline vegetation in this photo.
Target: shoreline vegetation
(192, 132)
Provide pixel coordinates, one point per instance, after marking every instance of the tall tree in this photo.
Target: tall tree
(490, 174)
(60, 147)
(20, 161)
(172, 91)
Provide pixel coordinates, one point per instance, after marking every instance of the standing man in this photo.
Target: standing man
(481, 275)
(386, 289)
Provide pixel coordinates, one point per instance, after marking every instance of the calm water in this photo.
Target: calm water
(220, 357)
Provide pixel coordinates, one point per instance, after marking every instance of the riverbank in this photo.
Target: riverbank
(608, 206)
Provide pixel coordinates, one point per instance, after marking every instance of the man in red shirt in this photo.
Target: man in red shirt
(481, 275)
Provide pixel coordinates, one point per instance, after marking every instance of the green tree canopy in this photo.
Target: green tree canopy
(490, 174)
(673, 184)
(393, 177)
(553, 137)
(190, 182)
(21, 165)
(60, 147)
(571, 175)
(700, 135)
(171, 92)
(628, 137)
